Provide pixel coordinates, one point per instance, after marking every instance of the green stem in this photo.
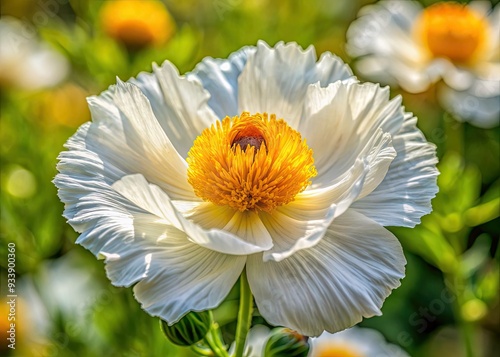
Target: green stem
(214, 340)
(467, 328)
(468, 334)
(244, 315)
(202, 351)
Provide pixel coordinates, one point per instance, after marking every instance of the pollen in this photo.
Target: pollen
(250, 162)
(453, 31)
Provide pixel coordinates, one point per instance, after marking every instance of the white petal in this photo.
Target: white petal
(186, 277)
(479, 105)
(405, 193)
(380, 155)
(413, 78)
(333, 285)
(246, 225)
(179, 104)
(175, 275)
(127, 138)
(220, 78)
(92, 207)
(303, 222)
(383, 27)
(275, 80)
(343, 122)
(153, 200)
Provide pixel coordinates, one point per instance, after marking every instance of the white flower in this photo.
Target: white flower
(140, 183)
(26, 62)
(400, 42)
(354, 342)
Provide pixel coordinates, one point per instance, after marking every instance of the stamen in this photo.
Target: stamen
(453, 31)
(250, 162)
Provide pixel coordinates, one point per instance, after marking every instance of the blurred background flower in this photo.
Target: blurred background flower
(26, 62)
(400, 42)
(448, 304)
(137, 24)
(354, 342)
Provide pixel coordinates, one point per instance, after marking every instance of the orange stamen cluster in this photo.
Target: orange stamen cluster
(250, 162)
(453, 31)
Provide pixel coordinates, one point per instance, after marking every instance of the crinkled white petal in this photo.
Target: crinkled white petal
(181, 106)
(246, 225)
(91, 206)
(127, 138)
(353, 151)
(220, 78)
(303, 223)
(404, 195)
(275, 80)
(332, 285)
(186, 277)
(359, 341)
(174, 275)
(343, 122)
(153, 200)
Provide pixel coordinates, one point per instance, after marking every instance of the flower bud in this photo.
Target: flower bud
(286, 343)
(190, 329)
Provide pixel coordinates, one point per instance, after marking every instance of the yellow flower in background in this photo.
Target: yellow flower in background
(71, 109)
(137, 23)
(270, 162)
(399, 42)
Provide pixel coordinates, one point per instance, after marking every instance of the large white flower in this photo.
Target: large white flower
(400, 42)
(180, 184)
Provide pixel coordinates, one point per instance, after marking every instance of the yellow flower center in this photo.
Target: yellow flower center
(336, 350)
(250, 162)
(453, 31)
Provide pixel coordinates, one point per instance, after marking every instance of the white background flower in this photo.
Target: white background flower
(25, 61)
(399, 42)
(320, 262)
(354, 342)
